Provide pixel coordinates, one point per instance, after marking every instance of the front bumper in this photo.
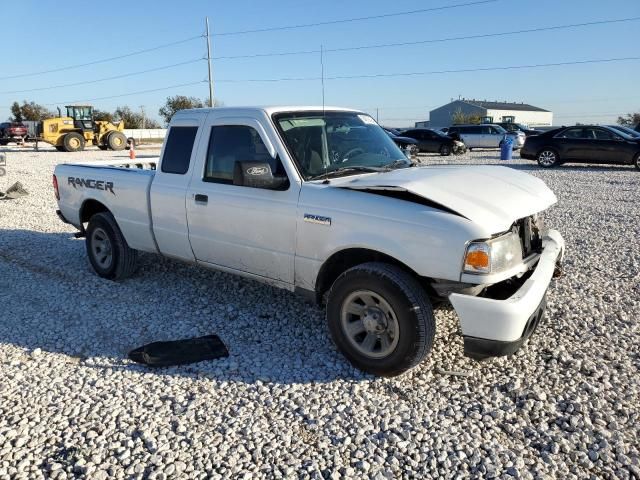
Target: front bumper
(493, 327)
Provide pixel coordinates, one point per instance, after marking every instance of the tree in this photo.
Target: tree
(629, 120)
(180, 102)
(16, 113)
(103, 115)
(29, 111)
(460, 117)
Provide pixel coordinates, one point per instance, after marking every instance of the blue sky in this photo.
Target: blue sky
(50, 35)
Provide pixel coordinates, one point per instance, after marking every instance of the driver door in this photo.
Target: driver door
(244, 229)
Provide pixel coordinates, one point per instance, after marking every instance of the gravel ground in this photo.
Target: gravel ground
(286, 403)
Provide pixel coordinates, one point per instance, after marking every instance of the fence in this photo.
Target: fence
(145, 133)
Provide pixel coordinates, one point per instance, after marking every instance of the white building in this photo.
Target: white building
(491, 112)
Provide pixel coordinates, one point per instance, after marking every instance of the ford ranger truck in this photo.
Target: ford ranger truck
(322, 202)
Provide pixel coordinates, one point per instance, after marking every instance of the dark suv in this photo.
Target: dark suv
(431, 141)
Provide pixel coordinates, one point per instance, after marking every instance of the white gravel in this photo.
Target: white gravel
(286, 403)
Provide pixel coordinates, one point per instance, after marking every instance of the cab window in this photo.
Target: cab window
(229, 144)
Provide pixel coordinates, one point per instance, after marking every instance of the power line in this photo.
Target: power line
(354, 19)
(128, 94)
(124, 75)
(104, 60)
(432, 72)
(427, 41)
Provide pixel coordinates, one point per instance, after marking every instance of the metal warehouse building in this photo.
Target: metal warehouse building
(491, 112)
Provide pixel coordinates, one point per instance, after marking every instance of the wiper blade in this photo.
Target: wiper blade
(339, 170)
(397, 164)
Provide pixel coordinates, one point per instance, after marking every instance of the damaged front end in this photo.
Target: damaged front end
(501, 297)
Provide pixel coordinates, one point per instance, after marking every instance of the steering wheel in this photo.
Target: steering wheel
(352, 152)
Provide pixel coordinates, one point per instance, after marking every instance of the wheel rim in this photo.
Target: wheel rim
(445, 150)
(101, 248)
(547, 158)
(117, 141)
(370, 324)
(74, 143)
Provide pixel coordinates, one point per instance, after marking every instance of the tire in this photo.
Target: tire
(108, 251)
(73, 142)
(548, 158)
(396, 309)
(636, 161)
(445, 150)
(117, 141)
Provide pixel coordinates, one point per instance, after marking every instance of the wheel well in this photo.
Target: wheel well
(554, 150)
(90, 208)
(343, 260)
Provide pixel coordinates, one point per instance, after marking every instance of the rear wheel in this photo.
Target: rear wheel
(548, 158)
(380, 318)
(116, 141)
(636, 161)
(108, 251)
(445, 150)
(73, 142)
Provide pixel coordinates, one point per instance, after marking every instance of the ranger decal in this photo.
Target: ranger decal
(90, 183)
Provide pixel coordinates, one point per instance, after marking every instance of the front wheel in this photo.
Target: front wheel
(117, 141)
(445, 150)
(547, 158)
(380, 318)
(108, 251)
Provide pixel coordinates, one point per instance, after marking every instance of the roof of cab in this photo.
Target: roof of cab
(269, 110)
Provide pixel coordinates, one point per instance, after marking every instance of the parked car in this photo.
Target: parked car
(402, 141)
(12, 132)
(432, 141)
(518, 127)
(583, 143)
(626, 130)
(323, 203)
(486, 136)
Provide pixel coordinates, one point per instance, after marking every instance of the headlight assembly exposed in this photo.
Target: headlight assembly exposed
(493, 256)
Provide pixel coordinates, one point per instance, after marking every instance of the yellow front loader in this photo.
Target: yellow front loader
(73, 132)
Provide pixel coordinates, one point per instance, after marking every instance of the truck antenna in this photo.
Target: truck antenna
(322, 75)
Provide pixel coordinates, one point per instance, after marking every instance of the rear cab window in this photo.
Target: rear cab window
(177, 151)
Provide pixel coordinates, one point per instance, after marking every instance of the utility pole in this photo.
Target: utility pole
(377, 115)
(209, 64)
(143, 117)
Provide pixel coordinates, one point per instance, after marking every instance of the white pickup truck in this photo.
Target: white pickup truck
(322, 202)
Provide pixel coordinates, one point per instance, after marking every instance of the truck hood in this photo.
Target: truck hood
(491, 196)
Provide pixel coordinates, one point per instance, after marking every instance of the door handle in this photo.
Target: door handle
(201, 198)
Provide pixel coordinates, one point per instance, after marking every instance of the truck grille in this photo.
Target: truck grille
(529, 229)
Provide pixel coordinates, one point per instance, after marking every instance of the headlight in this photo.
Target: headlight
(493, 256)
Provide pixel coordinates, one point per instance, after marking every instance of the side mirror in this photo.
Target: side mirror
(258, 175)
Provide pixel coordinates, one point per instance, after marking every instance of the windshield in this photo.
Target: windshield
(500, 129)
(326, 142)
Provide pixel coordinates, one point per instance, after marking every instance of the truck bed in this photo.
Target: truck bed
(123, 187)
